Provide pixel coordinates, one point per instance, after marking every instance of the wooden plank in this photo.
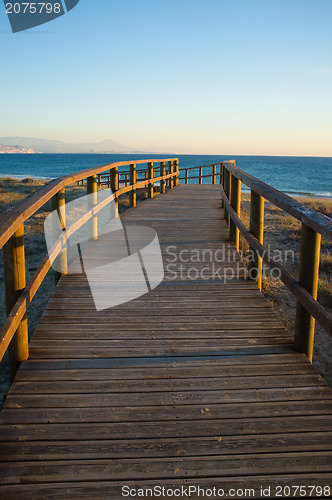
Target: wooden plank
(169, 447)
(165, 429)
(156, 372)
(166, 412)
(243, 396)
(176, 384)
(175, 361)
(159, 468)
(113, 489)
(102, 352)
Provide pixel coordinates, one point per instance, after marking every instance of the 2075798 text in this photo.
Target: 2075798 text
(33, 8)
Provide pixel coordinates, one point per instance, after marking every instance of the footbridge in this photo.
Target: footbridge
(192, 383)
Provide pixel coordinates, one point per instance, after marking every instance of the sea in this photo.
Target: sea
(294, 175)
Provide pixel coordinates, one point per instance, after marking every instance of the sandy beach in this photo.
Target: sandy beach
(282, 232)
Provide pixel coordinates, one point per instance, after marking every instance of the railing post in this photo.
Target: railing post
(115, 188)
(200, 175)
(14, 269)
(187, 176)
(257, 229)
(308, 277)
(59, 205)
(222, 182)
(92, 191)
(133, 181)
(162, 174)
(214, 172)
(227, 188)
(177, 172)
(234, 232)
(151, 175)
(170, 171)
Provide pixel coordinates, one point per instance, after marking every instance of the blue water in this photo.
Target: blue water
(294, 175)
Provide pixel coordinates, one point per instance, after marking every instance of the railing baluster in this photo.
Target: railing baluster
(59, 205)
(92, 191)
(257, 229)
(170, 171)
(176, 164)
(151, 176)
(187, 176)
(234, 233)
(222, 181)
(115, 188)
(308, 277)
(14, 269)
(133, 181)
(162, 174)
(214, 171)
(227, 188)
(200, 175)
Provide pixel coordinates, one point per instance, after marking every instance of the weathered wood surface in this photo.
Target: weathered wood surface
(195, 383)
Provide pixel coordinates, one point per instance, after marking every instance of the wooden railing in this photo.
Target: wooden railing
(215, 175)
(314, 226)
(14, 332)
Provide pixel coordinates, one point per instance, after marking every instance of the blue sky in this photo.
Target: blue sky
(188, 76)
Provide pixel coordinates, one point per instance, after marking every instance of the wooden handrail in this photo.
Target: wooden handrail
(18, 294)
(317, 310)
(198, 176)
(316, 220)
(11, 220)
(200, 166)
(314, 225)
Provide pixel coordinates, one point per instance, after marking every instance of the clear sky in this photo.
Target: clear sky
(187, 76)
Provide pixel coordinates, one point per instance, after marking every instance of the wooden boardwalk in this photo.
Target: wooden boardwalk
(195, 383)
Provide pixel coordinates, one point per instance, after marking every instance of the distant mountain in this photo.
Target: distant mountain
(51, 146)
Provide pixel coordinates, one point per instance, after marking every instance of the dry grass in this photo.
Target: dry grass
(321, 205)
